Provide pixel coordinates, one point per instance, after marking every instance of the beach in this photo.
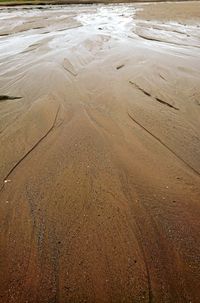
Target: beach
(100, 153)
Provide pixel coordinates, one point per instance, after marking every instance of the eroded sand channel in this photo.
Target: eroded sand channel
(100, 153)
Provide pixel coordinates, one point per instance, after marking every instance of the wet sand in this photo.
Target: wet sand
(100, 153)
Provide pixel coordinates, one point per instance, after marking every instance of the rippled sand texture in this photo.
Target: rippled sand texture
(99, 154)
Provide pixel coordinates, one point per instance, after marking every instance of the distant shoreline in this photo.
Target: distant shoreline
(61, 2)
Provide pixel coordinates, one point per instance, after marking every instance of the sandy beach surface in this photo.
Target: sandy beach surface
(100, 153)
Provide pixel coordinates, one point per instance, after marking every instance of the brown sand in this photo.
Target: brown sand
(171, 11)
(100, 154)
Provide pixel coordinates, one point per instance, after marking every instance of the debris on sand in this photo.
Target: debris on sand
(6, 97)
